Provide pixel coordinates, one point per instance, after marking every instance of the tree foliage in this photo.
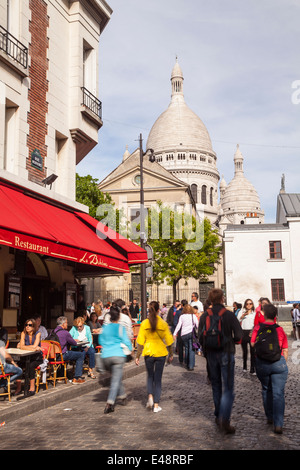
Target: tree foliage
(184, 248)
(88, 193)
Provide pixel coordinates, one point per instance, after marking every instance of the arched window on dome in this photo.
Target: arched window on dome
(194, 190)
(203, 194)
(211, 196)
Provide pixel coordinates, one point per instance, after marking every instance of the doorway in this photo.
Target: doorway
(35, 296)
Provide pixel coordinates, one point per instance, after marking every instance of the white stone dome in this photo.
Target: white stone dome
(179, 128)
(240, 196)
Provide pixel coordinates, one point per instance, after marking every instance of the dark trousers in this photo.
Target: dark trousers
(221, 369)
(245, 345)
(179, 347)
(155, 367)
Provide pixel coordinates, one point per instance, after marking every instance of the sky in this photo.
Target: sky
(240, 62)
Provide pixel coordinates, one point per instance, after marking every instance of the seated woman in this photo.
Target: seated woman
(82, 332)
(31, 340)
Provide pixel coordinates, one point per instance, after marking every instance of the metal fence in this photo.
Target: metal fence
(162, 294)
(13, 48)
(92, 102)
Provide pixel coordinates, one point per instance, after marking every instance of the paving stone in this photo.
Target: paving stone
(186, 421)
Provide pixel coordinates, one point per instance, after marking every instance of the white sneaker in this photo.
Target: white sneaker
(156, 409)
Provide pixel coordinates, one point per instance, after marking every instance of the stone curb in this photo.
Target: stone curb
(63, 392)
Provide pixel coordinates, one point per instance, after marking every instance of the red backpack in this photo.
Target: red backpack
(213, 336)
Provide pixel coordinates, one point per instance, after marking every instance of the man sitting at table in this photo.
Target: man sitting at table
(66, 340)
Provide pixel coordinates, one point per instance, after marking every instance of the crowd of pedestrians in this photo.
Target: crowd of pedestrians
(188, 328)
(219, 331)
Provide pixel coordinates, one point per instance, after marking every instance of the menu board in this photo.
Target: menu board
(70, 296)
(13, 292)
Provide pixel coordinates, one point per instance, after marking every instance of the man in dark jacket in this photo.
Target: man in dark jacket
(134, 309)
(171, 315)
(66, 340)
(221, 361)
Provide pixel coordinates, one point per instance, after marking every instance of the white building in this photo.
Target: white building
(262, 260)
(50, 115)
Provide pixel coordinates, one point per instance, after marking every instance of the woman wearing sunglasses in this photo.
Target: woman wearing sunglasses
(31, 340)
(246, 318)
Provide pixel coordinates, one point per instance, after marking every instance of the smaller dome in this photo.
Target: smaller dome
(223, 183)
(239, 195)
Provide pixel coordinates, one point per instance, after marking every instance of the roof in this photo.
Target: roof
(249, 227)
(290, 203)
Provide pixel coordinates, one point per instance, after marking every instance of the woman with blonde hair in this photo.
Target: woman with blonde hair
(82, 332)
(187, 321)
(154, 342)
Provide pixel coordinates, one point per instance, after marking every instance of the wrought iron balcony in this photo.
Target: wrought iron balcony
(92, 103)
(13, 48)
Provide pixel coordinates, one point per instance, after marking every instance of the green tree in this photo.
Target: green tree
(183, 247)
(88, 193)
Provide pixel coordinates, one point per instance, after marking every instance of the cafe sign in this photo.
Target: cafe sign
(37, 159)
(60, 251)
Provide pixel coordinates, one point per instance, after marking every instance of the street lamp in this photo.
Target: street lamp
(142, 227)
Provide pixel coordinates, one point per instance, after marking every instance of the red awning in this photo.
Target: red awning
(40, 226)
(135, 254)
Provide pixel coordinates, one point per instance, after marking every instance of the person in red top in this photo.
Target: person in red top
(259, 317)
(273, 375)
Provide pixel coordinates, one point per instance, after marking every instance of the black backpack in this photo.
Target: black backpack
(52, 336)
(213, 336)
(266, 344)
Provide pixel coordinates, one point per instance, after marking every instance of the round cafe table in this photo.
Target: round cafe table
(18, 354)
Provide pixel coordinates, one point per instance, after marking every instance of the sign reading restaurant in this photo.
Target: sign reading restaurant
(57, 250)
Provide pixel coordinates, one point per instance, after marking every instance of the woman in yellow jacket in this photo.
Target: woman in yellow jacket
(155, 342)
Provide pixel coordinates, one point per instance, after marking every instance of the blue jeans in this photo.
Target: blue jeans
(115, 364)
(91, 354)
(11, 369)
(155, 367)
(273, 377)
(221, 368)
(78, 357)
(189, 353)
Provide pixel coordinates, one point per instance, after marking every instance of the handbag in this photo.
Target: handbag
(195, 340)
(125, 348)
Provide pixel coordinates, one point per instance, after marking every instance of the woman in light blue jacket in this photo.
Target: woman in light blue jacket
(82, 332)
(112, 339)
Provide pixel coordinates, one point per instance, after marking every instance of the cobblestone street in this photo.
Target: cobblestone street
(186, 421)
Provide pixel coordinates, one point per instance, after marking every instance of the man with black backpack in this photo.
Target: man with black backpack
(219, 331)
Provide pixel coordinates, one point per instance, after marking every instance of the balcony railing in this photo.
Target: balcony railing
(92, 103)
(13, 48)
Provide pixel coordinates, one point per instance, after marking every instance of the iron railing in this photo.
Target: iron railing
(13, 48)
(92, 103)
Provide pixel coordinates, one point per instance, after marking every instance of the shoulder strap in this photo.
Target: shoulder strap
(221, 312)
